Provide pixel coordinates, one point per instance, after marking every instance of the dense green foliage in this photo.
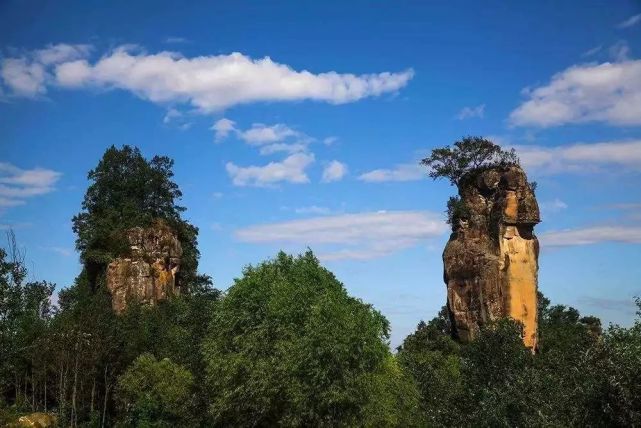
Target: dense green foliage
(467, 155)
(127, 190)
(580, 377)
(286, 345)
(154, 393)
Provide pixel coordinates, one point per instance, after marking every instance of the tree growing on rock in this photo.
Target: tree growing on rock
(127, 191)
(467, 155)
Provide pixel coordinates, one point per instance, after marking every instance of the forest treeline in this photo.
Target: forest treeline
(285, 345)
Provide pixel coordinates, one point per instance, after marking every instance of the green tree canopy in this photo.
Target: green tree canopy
(128, 190)
(288, 346)
(467, 155)
(154, 393)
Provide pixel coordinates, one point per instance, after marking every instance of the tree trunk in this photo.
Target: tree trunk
(74, 415)
(93, 393)
(104, 404)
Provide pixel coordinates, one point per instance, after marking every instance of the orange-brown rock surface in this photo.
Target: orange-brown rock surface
(491, 259)
(148, 273)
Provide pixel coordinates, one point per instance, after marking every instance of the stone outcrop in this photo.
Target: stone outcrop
(491, 259)
(148, 273)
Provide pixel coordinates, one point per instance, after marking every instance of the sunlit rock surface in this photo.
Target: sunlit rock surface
(148, 273)
(37, 420)
(491, 259)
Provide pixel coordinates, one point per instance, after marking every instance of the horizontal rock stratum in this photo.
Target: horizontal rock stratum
(491, 259)
(148, 273)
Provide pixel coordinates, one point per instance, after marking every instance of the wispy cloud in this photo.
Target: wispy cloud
(269, 138)
(352, 236)
(401, 172)
(592, 51)
(207, 83)
(17, 185)
(291, 169)
(176, 118)
(631, 21)
(63, 251)
(334, 171)
(608, 92)
(470, 112)
(313, 209)
(176, 40)
(553, 206)
(620, 51)
(610, 304)
(582, 157)
(591, 235)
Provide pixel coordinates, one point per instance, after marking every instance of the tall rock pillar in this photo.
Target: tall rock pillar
(491, 259)
(147, 274)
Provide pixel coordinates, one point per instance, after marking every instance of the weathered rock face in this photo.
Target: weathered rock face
(148, 273)
(491, 259)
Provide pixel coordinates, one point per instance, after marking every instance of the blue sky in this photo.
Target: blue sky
(296, 124)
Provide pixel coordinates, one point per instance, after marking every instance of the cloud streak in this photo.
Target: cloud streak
(581, 157)
(353, 236)
(401, 172)
(17, 185)
(207, 83)
(631, 21)
(591, 235)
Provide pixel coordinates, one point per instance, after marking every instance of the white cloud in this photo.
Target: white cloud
(591, 235)
(291, 169)
(176, 40)
(269, 138)
(608, 92)
(470, 112)
(334, 171)
(330, 140)
(402, 172)
(171, 114)
(23, 77)
(17, 185)
(581, 158)
(222, 128)
(631, 21)
(283, 147)
(57, 54)
(620, 51)
(592, 51)
(176, 118)
(263, 134)
(28, 75)
(66, 252)
(553, 206)
(353, 236)
(213, 83)
(312, 209)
